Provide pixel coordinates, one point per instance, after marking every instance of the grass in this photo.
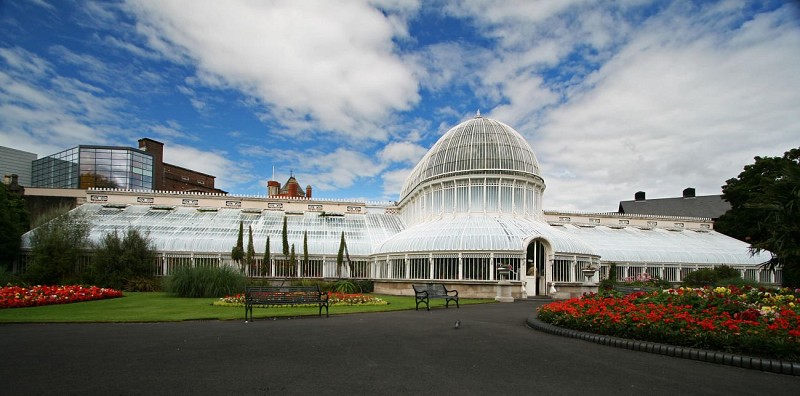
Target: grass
(162, 307)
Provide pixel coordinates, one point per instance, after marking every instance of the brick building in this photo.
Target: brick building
(290, 189)
(170, 177)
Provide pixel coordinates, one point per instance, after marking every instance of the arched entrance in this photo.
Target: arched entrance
(535, 266)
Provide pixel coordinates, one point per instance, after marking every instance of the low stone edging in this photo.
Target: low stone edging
(748, 362)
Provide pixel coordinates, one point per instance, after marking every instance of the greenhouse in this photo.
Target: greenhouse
(471, 207)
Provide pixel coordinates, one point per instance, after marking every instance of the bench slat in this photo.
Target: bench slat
(424, 292)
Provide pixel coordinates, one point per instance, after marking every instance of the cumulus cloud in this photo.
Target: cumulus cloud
(614, 100)
(325, 65)
(43, 112)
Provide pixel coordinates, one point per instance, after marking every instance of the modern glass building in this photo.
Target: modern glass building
(469, 209)
(95, 166)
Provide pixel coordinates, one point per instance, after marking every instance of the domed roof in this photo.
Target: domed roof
(480, 145)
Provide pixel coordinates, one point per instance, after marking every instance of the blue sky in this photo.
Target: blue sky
(614, 97)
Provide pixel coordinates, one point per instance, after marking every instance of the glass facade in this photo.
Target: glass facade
(93, 166)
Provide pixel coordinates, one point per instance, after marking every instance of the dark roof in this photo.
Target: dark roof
(710, 206)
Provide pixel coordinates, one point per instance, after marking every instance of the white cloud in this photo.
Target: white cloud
(327, 65)
(216, 163)
(403, 152)
(679, 106)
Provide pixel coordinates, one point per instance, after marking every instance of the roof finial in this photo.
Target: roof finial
(478, 114)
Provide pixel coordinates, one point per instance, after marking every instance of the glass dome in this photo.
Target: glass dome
(477, 146)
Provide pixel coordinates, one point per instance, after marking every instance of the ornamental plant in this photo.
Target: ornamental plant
(21, 297)
(750, 321)
(334, 298)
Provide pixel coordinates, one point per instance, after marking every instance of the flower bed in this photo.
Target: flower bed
(336, 298)
(20, 297)
(758, 322)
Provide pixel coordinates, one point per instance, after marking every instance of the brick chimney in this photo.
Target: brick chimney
(156, 149)
(308, 191)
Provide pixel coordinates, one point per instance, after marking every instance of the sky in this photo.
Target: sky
(614, 97)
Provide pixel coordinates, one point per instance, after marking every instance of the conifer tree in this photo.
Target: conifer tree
(251, 251)
(305, 248)
(238, 251)
(265, 265)
(285, 235)
(292, 262)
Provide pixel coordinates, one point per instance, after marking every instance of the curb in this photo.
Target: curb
(728, 359)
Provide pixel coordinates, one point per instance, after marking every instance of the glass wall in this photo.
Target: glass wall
(101, 167)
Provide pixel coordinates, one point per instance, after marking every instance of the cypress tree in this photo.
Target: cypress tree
(292, 262)
(251, 251)
(238, 251)
(340, 256)
(285, 234)
(265, 265)
(305, 248)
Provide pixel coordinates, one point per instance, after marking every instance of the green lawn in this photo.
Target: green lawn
(161, 307)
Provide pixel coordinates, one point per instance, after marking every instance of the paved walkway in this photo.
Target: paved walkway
(408, 352)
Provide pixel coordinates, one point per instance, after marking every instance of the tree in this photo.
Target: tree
(292, 262)
(14, 221)
(237, 253)
(124, 263)
(57, 247)
(340, 256)
(305, 248)
(285, 234)
(251, 251)
(265, 264)
(765, 211)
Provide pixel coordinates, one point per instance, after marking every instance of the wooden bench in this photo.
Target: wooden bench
(283, 295)
(428, 291)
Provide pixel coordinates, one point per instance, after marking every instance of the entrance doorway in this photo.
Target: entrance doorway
(535, 259)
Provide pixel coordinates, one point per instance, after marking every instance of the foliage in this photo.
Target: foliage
(118, 261)
(340, 256)
(752, 321)
(608, 283)
(14, 221)
(292, 262)
(9, 278)
(345, 286)
(305, 248)
(285, 236)
(765, 211)
(237, 253)
(251, 251)
(646, 280)
(711, 276)
(57, 247)
(204, 282)
(20, 297)
(265, 264)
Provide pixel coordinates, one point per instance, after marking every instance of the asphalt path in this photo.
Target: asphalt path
(395, 353)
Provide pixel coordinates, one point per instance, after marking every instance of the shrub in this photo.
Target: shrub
(205, 282)
(120, 262)
(57, 247)
(700, 278)
(722, 275)
(345, 286)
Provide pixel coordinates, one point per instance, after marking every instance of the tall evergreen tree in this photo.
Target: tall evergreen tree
(305, 248)
(285, 234)
(237, 253)
(251, 251)
(340, 257)
(265, 264)
(292, 262)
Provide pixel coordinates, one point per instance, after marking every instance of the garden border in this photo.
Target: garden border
(729, 359)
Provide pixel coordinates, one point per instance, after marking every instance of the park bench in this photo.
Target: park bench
(283, 295)
(428, 291)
